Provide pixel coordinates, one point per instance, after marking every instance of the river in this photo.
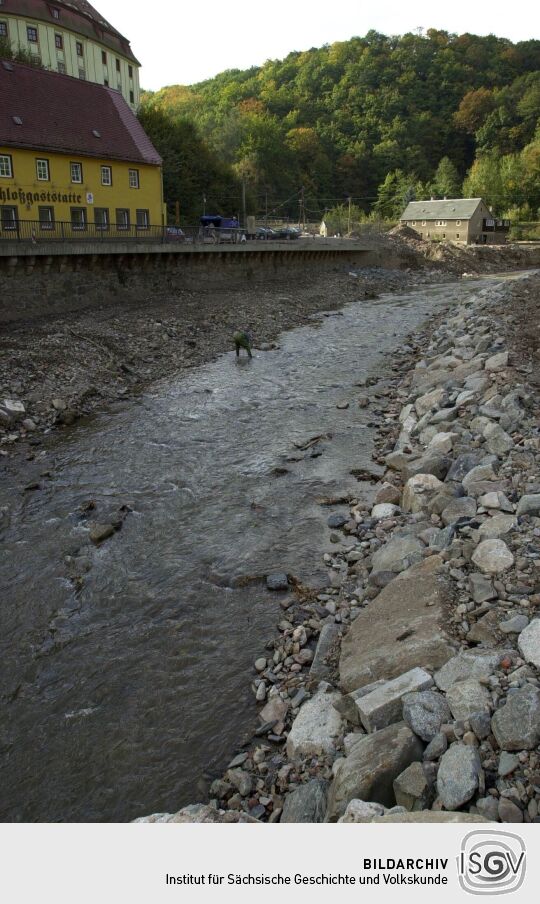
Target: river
(123, 692)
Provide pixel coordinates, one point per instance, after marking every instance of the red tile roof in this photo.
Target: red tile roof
(60, 113)
(75, 15)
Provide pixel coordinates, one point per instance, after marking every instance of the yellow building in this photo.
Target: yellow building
(74, 160)
(72, 38)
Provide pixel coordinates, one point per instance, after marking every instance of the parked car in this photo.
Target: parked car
(175, 234)
(289, 232)
(265, 233)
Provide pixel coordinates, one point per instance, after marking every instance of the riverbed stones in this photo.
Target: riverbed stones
(497, 362)
(402, 629)
(467, 697)
(498, 441)
(425, 712)
(241, 780)
(509, 811)
(13, 410)
(458, 775)
(412, 788)
(430, 817)
(515, 625)
(101, 532)
(317, 726)
(497, 527)
(481, 587)
(418, 491)
(493, 557)
(307, 803)
(383, 705)
(516, 725)
(429, 401)
(397, 554)
(320, 668)
(460, 507)
(431, 462)
(467, 664)
(529, 505)
(361, 811)
(203, 813)
(277, 581)
(371, 767)
(529, 643)
(387, 493)
(384, 510)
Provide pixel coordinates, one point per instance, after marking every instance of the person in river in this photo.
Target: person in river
(242, 339)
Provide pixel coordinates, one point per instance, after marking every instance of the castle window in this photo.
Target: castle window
(130, 71)
(79, 48)
(78, 218)
(132, 97)
(46, 217)
(9, 217)
(134, 178)
(104, 57)
(3, 30)
(143, 219)
(106, 175)
(32, 34)
(6, 166)
(117, 65)
(58, 42)
(76, 173)
(101, 218)
(55, 12)
(42, 170)
(122, 218)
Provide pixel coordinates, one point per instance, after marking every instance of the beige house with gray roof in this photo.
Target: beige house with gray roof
(468, 221)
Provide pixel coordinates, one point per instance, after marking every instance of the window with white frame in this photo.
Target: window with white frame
(46, 218)
(106, 175)
(143, 219)
(78, 217)
(8, 218)
(32, 34)
(42, 170)
(6, 166)
(101, 217)
(122, 218)
(3, 30)
(134, 178)
(76, 173)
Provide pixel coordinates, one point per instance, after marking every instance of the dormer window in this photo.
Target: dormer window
(55, 13)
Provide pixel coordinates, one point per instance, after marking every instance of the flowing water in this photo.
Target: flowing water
(122, 693)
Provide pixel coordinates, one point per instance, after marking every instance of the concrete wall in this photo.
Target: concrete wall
(44, 282)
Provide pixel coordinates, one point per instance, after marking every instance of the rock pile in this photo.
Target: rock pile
(433, 711)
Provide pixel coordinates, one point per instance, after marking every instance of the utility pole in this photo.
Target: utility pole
(349, 220)
(266, 208)
(244, 218)
(302, 217)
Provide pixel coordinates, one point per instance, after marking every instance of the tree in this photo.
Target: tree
(446, 183)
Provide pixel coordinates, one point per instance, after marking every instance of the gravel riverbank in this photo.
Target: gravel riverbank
(409, 689)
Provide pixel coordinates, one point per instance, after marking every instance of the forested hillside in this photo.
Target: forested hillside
(379, 119)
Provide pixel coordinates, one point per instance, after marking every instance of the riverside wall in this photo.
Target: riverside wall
(44, 281)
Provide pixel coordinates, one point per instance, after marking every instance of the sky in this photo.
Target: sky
(185, 42)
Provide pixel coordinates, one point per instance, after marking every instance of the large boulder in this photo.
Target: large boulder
(458, 775)
(493, 557)
(418, 491)
(398, 554)
(467, 697)
(317, 726)
(383, 705)
(369, 771)
(467, 664)
(516, 725)
(307, 803)
(529, 643)
(404, 627)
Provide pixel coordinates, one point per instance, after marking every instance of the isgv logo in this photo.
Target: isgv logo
(491, 863)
